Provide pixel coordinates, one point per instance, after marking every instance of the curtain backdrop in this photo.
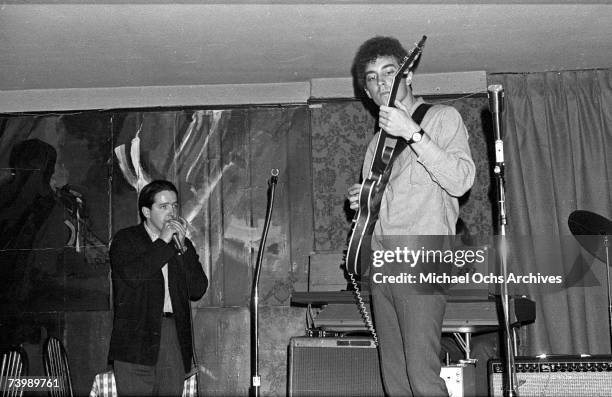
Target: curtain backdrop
(558, 139)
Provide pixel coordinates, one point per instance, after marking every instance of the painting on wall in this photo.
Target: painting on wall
(53, 218)
(220, 161)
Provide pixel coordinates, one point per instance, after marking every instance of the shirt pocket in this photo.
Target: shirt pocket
(418, 174)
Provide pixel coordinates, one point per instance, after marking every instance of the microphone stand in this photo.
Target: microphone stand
(255, 378)
(510, 382)
(607, 249)
(510, 375)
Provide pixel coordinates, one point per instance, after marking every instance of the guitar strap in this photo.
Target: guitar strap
(420, 112)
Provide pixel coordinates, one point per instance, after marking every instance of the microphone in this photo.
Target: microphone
(496, 106)
(177, 243)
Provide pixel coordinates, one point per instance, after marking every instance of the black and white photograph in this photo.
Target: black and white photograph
(306, 198)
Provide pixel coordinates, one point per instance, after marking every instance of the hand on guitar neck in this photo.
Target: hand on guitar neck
(353, 196)
(397, 121)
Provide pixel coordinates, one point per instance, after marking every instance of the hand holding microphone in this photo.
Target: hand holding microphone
(179, 237)
(175, 229)
(177, 243)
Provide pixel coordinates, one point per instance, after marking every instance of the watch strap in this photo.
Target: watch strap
(418, 116)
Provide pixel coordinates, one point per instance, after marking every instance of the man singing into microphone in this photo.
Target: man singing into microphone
(155, 272)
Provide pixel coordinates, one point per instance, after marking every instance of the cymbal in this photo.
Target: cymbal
(591, 230)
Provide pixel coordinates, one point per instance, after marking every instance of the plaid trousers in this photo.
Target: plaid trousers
(104, 385)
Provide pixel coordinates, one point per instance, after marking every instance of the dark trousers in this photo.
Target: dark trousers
(409, 324)
(166, 378)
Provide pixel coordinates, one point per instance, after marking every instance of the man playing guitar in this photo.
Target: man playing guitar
(420, 199)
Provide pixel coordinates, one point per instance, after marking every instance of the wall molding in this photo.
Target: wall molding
(106, 98)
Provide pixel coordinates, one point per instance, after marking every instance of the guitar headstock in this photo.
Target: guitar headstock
(406, 64)
(413, 55)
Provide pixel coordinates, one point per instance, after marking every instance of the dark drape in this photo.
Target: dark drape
(558, 140)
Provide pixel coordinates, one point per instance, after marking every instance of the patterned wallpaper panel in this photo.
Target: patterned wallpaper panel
(477, 204)
(340, 132)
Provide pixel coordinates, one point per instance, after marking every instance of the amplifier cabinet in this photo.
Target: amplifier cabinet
(563, 376)
(348, 366)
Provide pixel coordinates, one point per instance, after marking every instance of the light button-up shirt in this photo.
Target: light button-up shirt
(167, 302)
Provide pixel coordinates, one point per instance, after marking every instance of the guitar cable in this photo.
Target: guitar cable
(363, 310)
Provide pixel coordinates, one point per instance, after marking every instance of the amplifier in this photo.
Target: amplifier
(346, 366)
(562, 376)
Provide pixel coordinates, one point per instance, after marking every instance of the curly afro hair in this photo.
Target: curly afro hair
(370, 50)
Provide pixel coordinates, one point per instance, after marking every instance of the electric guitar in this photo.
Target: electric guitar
(372, 188)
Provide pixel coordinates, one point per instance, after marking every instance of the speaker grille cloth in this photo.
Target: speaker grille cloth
(329, 371)
(581, 377)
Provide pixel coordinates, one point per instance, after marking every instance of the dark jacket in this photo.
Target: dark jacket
(138, 292)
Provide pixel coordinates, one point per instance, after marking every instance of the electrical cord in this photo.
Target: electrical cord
(363, 309)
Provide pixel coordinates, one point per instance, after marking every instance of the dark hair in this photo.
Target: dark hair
(34, 155)
(370, 50)
(146, 198)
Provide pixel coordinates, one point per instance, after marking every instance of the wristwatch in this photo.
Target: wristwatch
(417, 136)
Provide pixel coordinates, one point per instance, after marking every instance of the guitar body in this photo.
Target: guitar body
(370, 197)
(373, 187)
